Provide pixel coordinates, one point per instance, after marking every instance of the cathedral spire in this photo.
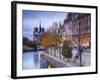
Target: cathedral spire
(40, 27)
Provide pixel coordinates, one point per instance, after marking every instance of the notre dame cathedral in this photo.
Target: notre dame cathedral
(36, 33)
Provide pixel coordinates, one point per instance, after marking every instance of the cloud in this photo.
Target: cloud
(32, 19)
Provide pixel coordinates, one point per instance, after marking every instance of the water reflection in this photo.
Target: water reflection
(32, 60)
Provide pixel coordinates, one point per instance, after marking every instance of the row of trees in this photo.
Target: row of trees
(52, 40)
(49, 40)
(28, 42)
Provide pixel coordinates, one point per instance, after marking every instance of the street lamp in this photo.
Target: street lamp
(79, 45)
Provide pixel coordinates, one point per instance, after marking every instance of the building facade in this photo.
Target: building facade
(78, 27)
(36, 33)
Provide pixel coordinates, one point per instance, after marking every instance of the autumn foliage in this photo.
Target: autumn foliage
(49, 39)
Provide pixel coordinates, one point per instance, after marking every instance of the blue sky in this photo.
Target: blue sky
(31, 19)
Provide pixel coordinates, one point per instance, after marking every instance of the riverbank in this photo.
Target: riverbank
(30, 50)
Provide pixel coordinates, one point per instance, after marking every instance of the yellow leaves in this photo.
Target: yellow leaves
(49, 40)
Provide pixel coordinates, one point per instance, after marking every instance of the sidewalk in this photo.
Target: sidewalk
(57, 62)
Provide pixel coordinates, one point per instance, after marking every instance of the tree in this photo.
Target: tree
(78, 26)
(66, 50)
(49, 40)
(57, 28)
(25, 40)
(28, 42)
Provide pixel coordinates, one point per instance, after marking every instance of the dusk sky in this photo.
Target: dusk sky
(31, 19)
